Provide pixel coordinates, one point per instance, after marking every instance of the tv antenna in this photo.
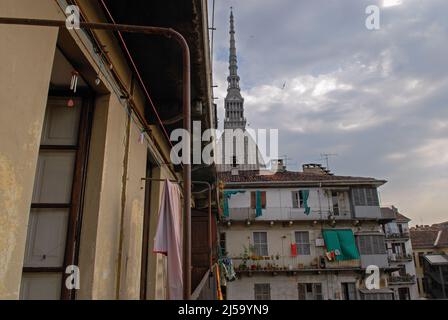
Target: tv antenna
(326, 157)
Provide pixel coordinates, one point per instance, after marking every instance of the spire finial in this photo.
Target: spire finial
(233, 64)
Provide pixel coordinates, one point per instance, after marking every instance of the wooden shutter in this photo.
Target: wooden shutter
(263, 199)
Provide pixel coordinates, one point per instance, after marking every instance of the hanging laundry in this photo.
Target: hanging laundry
(293, 249)
(168, 240)
(305, 194)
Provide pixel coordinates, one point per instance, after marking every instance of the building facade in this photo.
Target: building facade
(303, 235)
(400, 255)
(81, 134)
(427, 240)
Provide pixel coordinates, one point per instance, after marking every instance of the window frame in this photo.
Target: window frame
(75, 207)
(304, 245)
(262, 291)
(370, 244)
(260, 248)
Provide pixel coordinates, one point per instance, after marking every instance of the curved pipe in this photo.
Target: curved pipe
(170, 33)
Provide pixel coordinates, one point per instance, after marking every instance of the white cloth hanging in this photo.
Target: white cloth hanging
(168, 239)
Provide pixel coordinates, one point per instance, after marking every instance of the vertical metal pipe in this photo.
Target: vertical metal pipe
(186, 166)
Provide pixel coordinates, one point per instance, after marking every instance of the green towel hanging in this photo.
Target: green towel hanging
(305, 195)
(258, 204)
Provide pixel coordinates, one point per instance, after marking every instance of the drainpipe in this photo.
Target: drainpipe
(170, 33)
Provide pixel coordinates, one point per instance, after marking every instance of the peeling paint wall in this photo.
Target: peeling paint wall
(133, 218)
(25, 71)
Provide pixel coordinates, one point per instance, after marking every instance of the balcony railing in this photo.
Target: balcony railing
(403, 279)
(288, 264)
(398, 235)
(285, 214)
(395, 257)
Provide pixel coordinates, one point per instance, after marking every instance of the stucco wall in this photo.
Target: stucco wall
(25, 70)
(286, 287)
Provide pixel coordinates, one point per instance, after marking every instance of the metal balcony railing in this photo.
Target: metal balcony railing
(395, 257)
(288, 263)
(398, 235)
(285, 214)
(402, 279)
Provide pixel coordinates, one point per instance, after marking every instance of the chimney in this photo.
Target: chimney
(315, 168)
(278, 165)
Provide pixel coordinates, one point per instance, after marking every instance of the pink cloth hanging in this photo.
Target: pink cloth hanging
(168, 239)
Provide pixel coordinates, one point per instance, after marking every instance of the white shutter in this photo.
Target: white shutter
(54, 177)
(47, 231)
(41, 286)
(61, 123)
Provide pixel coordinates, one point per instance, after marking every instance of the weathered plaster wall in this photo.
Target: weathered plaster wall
(133, 218)
(24, 80)
(106, 215)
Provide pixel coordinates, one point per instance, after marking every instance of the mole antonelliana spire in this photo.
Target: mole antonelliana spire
(234, 102)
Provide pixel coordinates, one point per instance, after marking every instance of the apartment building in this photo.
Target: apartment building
(427, 241)
(85, 128)
(400, 255)
(306, 235)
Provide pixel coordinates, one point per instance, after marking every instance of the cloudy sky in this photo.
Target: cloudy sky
(378, 99)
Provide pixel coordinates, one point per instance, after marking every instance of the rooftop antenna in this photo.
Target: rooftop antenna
(326, 157)
(285, 159)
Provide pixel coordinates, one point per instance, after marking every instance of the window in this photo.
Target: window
(310, 291)
(297, 199)
(303, 242)
(371, 244)
(56, 201)
(404, 294)
(365, 197)
(253, 199)
(262, 291)
(335, 200)
(261, 243)
(349, 291)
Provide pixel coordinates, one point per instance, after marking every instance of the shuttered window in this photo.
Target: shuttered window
(371, 244)
(365, 197)
(56, 201)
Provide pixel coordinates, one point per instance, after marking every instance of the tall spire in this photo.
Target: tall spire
(234, 102)
(233, 78)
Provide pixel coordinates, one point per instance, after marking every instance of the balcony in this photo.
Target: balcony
(285, 214)
(398, 236)
(288, 264)
(403, 279)
(395, 257)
